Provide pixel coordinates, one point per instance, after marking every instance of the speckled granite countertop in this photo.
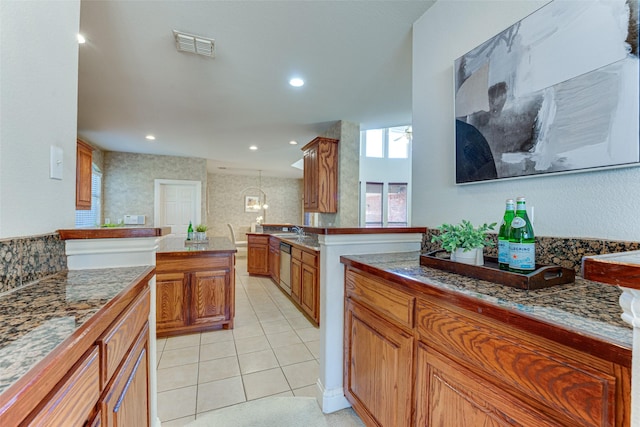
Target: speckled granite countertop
(309, 241)
(178, 244)
(585, 307)
(35, 318)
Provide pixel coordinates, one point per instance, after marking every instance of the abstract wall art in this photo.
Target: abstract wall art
(555, 92)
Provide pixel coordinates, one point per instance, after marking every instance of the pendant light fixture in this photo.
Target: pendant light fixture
(263, 197)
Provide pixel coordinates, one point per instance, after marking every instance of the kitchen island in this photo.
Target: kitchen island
(70, 343)
(195, 285)
(555, 356)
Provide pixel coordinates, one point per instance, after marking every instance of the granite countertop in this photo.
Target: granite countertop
(309, 241)
(37, 317)
(113, 232)
(585, 307)
(179, 244)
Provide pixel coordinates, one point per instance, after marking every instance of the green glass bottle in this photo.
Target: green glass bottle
(522, 247)
(503, 236)
(190, 231)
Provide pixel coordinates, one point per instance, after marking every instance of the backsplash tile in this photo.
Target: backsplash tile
(25, 259)
(9, 264)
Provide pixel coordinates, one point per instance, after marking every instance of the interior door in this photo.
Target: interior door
(178, 205)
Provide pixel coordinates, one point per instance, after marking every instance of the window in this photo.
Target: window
(374, 143)
(385, 177)
(397, 205)
(91, 218)
(399, 138)
(373, 213)
(392, 143)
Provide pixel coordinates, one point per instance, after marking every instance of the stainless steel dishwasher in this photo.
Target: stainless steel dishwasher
(285, 267)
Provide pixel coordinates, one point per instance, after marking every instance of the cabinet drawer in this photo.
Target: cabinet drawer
(568, 386)
(391, 303)
(258, 240)
(310, 259)
(117, 340)
(170, 264)
(75, 397)
(296, 253)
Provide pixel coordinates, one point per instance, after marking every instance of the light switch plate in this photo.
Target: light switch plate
(55, 163)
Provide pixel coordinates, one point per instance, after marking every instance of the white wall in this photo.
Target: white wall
(38, 107)
(601, 204)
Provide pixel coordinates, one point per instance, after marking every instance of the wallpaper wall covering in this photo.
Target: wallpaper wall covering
(129, 181)
(226, 202)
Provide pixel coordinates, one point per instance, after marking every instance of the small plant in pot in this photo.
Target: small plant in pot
(201, 232)
(464, 241)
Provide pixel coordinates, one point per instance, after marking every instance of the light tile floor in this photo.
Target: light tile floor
(273, 350)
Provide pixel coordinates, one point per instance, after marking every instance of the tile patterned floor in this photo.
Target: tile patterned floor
(273, 350)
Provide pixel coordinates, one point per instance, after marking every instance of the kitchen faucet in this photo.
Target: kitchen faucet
(298, 230)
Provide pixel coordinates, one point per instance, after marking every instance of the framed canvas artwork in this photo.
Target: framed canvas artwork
(252, 204)
(555, 92)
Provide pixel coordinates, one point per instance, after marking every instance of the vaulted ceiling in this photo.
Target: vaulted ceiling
(354, 56)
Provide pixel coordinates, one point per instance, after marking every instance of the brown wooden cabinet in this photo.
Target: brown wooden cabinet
(305, 289)
(258, 254)
(74, 398)
(126, 401)
(274, 259)
(321, 175)
(108, 379)
(469, 369)
(296, 278)
(195, 292)
(83, 175)
(263, 259)
(377, 374)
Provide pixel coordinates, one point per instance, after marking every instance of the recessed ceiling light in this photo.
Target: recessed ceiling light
(296, 82)
(150, 137)
(253, 148)
(292, 142)
(81, 39)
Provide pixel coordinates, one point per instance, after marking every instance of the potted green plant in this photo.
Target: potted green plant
(464, 241)
(201, 232)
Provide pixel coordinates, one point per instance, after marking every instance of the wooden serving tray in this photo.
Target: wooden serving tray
(543, 276)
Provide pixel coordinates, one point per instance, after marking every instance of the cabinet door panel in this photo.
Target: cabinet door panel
(209, 296)
(126, 401)
(296, 279)
(84, 156)
(74, 399)
(378, 375)
(448, 395)
(170, 301)
(310, 178)
(258, 259)
(309, 297)
(546, 376)
(117, 340)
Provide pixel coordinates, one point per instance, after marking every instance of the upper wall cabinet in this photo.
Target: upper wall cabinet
(321, 175)
(83, 175)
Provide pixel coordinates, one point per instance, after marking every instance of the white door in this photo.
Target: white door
(177, 204)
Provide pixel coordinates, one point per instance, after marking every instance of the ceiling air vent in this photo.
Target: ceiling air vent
(193, 44)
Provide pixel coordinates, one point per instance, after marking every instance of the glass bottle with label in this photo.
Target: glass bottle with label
(503, 236)
(190, 231)
(522, 247)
